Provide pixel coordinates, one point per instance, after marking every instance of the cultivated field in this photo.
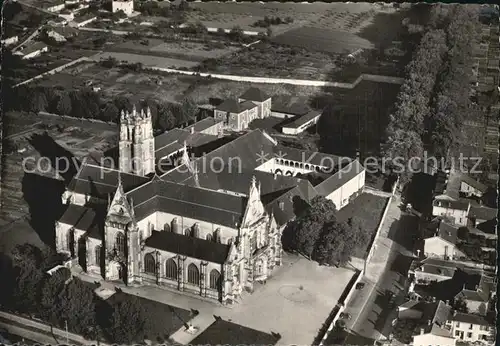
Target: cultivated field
(316, 39)
(190, 51)
(145, 60)
(340, 16)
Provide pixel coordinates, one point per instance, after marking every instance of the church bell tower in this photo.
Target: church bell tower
(136, 147)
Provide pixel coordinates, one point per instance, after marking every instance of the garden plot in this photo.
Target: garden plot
(145, 60)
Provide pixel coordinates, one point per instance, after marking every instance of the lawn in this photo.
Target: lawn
(367, 210)
(162, 320)
(323, 40)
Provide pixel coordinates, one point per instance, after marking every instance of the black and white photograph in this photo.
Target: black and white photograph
(249, 173)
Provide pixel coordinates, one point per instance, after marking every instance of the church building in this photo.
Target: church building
(209, 226)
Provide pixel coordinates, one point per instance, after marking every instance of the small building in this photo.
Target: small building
(259, 98)
(285, 107)
(443, 243)
(32, 50)
(481, 214)
(472, 328)
(61, 34)
(209, 126)
(126, 6)
(83, 20)
(432, 270)
(434, 330)
(10, 40)
(301, 123)
(457, 210)
(235, 115)
(56, 7)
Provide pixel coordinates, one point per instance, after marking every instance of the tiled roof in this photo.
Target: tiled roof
(254, 94)
(340, 178)
(483, 213)
(471, 318)
(202, 249)
(444, 203)
(448, 232)
(203, 124)
(284, 207)
(33, 48)
(302, 119)
(82, 218)
(188, 201)
(233, 106)
(98, 181)
(290, 105)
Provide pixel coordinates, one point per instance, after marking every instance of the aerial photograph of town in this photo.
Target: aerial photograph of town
(249, 173)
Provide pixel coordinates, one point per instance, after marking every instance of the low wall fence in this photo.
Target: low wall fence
(334, 316)
(46, 329)
(96, 121)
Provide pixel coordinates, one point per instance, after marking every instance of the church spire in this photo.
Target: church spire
(120, 184)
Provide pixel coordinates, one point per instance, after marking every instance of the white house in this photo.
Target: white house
(10, 40)
(443, 243)
(55, 7)
(458, 210)
(126, 6)
(33, 50)
(470, 328)
(301, 123)
(434, 331)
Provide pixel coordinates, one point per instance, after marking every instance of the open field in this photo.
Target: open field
(163, 320)
(316, 39)
(190, 51)
(367, 210)
(145, 60)
(341, 16)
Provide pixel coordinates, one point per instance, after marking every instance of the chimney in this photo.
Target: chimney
(192, 129)
(454, 313)
(429, 322)
(418, 253)
(422, 331)
(447, 302)
(275, 176)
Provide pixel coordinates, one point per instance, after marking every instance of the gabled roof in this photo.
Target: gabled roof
(482, 213)
(82, 218)
(339, 178)
(201, 249)
(233, 106)
(448, 232)
(203, 124)
(458, 205)
(470, 318)
(302, 119)
(188, 201)
(255, 94)
(33, 47)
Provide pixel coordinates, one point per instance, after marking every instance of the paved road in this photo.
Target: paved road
(370, 310)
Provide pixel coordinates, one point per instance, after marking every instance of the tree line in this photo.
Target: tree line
(86, 103)
(63, 301)
(434, 100)
(317, 233)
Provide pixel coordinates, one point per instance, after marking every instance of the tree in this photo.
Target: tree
(38, 102)
(460, 305)
(166, 119)
(64, 104)
(302, 233)
(236, 34)
(111, 113)
(52, 286)
(75, 305)
(128, 322)
(189, 110)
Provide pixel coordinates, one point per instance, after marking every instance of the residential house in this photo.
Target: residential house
(83, 20)
(457, 210)
(477, 291)
(471, 328)
(432, 270)
(434, 331)
(443, 243)
(285, 107)
(127, 6)
(55, 7)
(235, 115)
(10, 40)
(32, 50)
(480, 214)
(259, 98)
(61, 33)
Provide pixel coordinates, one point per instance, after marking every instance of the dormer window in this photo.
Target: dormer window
(282, 205)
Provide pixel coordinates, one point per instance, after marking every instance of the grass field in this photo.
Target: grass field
(367, 209)
(341, 16)
(145, 60)
(320, 39)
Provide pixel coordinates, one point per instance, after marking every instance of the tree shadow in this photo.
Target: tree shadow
(61, 160)
(404, 231)
(420, 192)
(44, 198)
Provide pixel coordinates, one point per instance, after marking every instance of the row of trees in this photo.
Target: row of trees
(317, 234)
(434, 100)
(88, 104)
(59, 300)
(268, 21)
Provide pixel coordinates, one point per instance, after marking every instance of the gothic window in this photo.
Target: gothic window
(69, 240)
(175, 226)
(120, 243)
(217, 235)
(193, 274)
(214, 279)
(187, 232)
(196, 231)
(149, 264)
(209, 237)
(166, 227)
(229, 241)
(171, 269)
(98, 255)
